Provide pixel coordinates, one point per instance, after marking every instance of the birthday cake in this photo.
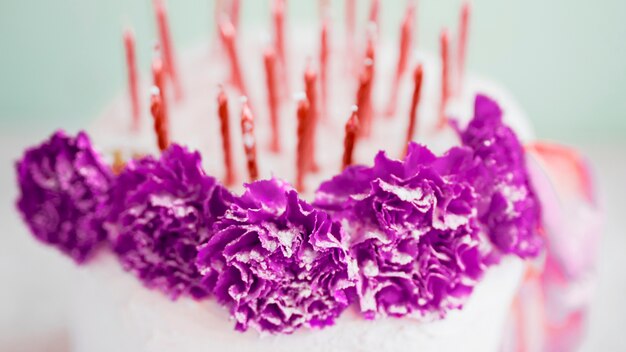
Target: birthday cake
(383, 208)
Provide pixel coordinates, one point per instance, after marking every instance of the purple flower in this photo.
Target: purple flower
(162, 210)
(64, 191)
(412, 228)
(507, 206)
(278, 263)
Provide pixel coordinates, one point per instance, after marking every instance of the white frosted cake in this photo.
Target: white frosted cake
(385, 245)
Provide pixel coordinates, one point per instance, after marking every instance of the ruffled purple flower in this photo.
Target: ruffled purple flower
(412, 228)
(64, 192)
(278, 263)
(162, 210)
(507, 207)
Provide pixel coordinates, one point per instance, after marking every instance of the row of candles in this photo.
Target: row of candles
(313, 103)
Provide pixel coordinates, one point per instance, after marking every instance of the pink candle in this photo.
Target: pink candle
(227, 33)
(158, 76)
(445, 76)
(166, 45)
(406, 36)
(223, 113)
(352, 127)
(310, 86)
(160, 127)
(235, 9)
(278, 16)
(133, 84)
(462, 44)
(415, 99)
(350, 20)
(350, 28)
(218, 11)
(324, 52)
(364, 92)
(363, 95)
(272, 98)
(302, 144)
(374, 12)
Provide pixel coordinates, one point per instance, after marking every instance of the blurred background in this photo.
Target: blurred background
(62, 61)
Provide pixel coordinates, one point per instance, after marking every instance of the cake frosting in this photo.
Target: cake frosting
(114, 312)
(422, 245)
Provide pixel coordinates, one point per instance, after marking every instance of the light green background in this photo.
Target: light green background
(565, 61)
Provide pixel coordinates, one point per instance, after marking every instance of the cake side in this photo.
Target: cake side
(131, 318)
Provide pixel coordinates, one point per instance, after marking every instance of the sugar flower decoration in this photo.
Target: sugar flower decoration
(64, 187)
(508, 208)
(162, 210)
(278, 263)
(413, 230)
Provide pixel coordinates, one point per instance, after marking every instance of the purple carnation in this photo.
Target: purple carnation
(162, 210)
(277, 262)
(64, 191)
(507, 207)
(413, 230)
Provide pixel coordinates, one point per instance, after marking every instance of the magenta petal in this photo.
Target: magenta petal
(403, 228)
(64, 195)
(510, 220)
(297, 271)
(162, 210)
